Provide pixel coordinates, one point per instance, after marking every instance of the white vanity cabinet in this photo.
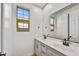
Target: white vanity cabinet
(42, 49)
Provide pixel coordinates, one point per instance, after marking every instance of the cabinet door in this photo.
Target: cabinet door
(43, 49)
(74, 25)
(37, 48)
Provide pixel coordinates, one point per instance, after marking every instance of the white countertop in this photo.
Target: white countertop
(72, 50)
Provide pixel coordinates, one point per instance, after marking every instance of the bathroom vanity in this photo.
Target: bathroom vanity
(42, 49)
(54, 47)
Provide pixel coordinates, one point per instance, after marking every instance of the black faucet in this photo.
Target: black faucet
(66, 41)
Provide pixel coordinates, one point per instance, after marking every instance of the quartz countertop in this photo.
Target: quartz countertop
(71, 50)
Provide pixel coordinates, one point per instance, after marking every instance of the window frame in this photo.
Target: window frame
(51, 25)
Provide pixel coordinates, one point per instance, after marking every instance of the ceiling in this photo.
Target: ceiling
(41, 5)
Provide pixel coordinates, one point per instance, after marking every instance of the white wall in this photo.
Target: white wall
(23, 42)
(0, 27)
(48, 10)
(7, 29)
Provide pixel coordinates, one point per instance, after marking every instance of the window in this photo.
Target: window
(22, 19)
(51, 23)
